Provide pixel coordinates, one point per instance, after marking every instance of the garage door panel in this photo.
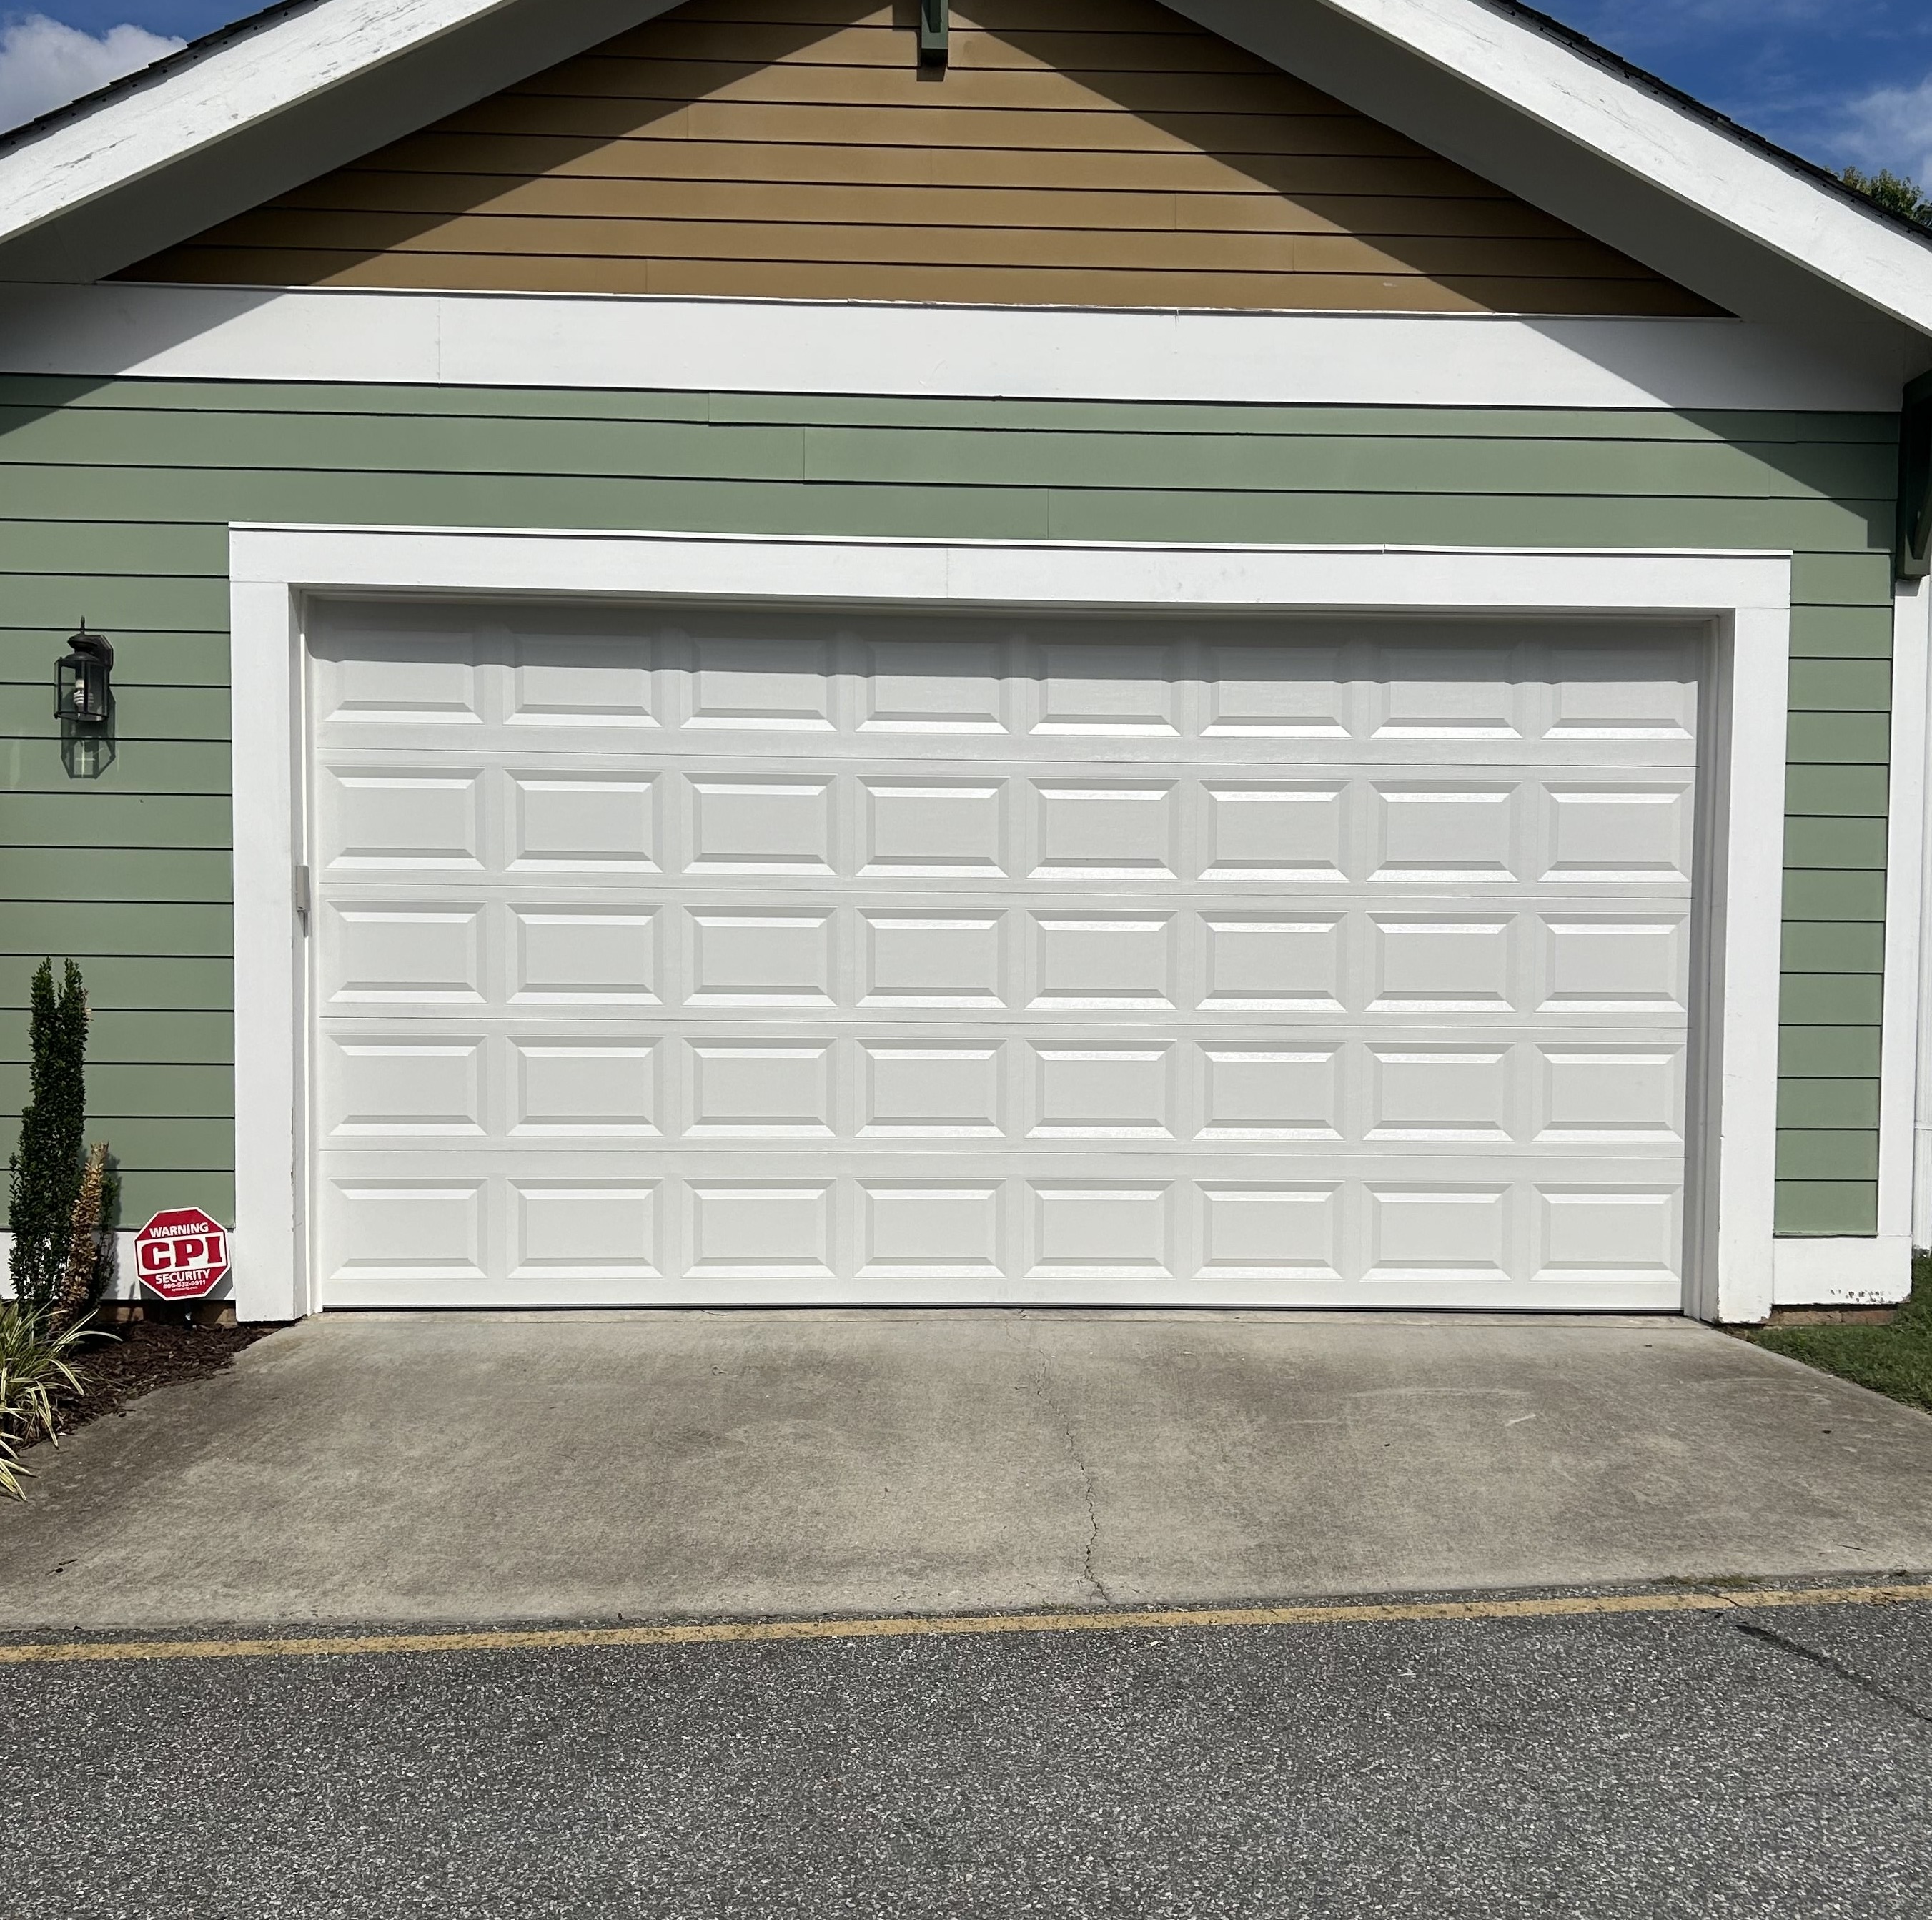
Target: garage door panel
(1578, 691)
(721, 958)
(1353, 829)
(567, 820)
(1078, 967)
(1248, 1083)
(1440, 1229)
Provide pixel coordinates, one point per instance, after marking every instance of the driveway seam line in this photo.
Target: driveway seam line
(938, 1626)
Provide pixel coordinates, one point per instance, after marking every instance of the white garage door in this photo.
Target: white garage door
(715, 956)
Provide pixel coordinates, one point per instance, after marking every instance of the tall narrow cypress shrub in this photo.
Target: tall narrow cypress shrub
(44, 1173)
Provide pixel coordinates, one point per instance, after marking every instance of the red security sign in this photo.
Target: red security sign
(182, 1254)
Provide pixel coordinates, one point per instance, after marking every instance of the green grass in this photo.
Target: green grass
(1894, 1359)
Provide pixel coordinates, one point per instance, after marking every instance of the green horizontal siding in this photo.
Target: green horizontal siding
(1839, 740)
(140, 659)
(1837, 1154)
(1854, 791)
(1829, 999)
(1828, 1053)
(1820, 1206)
(1840, 633)
(1840, 686)
(154, 988)
(180, 1088)
(115, 497)
(1834, 843)
(90, 929)
(118, 818)
(1859, 581)
(147, 1037)
(1829, 1104)
(170, 714)
(1817, 895)
(1833, 946)
(176, 1143)
(139, 766)
(132, 874)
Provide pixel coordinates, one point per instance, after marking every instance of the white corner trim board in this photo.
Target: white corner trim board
(639, 343)
(1913, 637)
(1902, 1012)
(1744, 595)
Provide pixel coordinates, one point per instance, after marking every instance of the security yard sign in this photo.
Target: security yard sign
(181, 1254)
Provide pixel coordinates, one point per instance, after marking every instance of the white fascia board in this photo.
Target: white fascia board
(210, 136)
(623, 342)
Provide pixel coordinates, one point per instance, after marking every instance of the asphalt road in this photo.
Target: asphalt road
(1725, 1764)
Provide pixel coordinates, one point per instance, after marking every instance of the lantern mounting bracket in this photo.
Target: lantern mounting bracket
(935, 33)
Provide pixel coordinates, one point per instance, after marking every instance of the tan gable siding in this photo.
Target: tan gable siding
(1076, 152)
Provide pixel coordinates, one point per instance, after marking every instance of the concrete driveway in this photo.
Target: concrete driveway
(502, 1468)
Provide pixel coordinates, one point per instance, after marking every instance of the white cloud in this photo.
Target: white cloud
(1892, 128)
(45, 64)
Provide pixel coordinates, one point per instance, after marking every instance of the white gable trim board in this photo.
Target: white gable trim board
(282, 575)
(619, 343)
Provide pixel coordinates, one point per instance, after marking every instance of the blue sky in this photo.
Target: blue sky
(1843, 82)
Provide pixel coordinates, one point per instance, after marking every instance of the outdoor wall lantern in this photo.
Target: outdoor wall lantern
(83, 693)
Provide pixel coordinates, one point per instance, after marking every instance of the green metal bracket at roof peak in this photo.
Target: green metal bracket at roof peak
(935, 32)
(1914, 481)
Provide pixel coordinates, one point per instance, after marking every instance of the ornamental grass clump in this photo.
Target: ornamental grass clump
(36, 1370)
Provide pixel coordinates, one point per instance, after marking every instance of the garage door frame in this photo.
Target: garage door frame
(1744, 596)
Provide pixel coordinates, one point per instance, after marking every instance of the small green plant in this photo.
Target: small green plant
(1894, 192)
(46, 1169)
(36, 1370)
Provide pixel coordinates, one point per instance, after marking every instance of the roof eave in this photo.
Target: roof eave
(283, 95)
(1664, 143)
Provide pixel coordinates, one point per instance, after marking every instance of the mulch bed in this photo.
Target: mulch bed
(144, 1355)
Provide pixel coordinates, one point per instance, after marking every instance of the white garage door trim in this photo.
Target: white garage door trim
(1745, 595)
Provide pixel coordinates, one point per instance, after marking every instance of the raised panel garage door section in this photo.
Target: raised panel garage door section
(712, 956)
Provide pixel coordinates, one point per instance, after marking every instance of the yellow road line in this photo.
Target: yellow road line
(746, 1633)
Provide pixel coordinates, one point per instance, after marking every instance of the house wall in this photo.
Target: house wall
(1098, 152)
(116, 498)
